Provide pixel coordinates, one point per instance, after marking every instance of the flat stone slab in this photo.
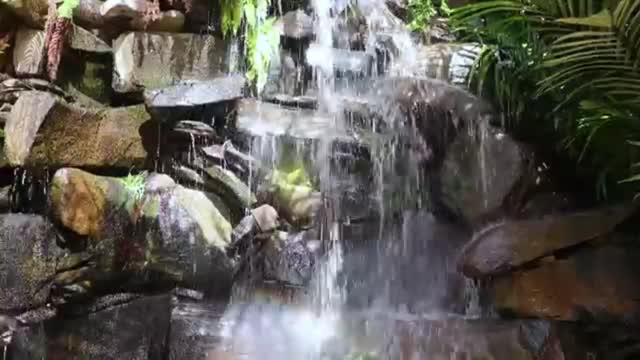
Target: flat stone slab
(173, 103)
(157, 60)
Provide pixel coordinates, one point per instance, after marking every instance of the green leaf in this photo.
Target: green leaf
(66, 9)
(602, 19)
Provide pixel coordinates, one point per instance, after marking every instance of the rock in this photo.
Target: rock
(136, 330)
(190, 99)
(145, 229)
(295, 24)
(171, 21)
(83, 40)
(289, 259)
(591, 284)
(32, 12)
(29, 57)
(29, 259)
(481, 170)
(266, 218)
(482, 339)
(504, 246)
(28, 54)
(195, 330)
(233, 191)
(194, 130)
(175, 57)
(43, 131)
(28, 343)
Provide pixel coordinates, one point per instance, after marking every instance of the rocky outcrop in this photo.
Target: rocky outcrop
(29, 260)
(145, 230)
(508, 245)
(596, 283)
(44, 131)
(157, 60)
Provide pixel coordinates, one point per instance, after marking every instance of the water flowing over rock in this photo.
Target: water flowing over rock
(45, 131)
(196, 331)
(295, 24)
(175, 57)
(29, 260)
(596, 283)
(152, 227)
(481, 170)
(504, 246)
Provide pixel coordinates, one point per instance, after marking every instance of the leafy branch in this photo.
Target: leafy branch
(260, 36)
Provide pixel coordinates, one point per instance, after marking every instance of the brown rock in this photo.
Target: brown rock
(510, 244)
(45, 131)
(598, 282)
(156, 60)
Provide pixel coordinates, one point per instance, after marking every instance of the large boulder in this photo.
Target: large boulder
(144, 230)
(156, 60)
(594, 283)
(29, 260)
(44, 131)
(136, 330)
(507, 245)
(481, 170)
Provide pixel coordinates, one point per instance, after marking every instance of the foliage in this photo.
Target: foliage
(65, 10)
(569, 66)
(421, 12)
(260, 36)
(135, 184)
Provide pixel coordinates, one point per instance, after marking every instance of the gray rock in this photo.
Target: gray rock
(481, 170)
(29, 259)
(186, 100)
(28, 343)
(136, 330)
(84, 40)
(194, 129)
(157, 60)
(233, 191)
(288, 259)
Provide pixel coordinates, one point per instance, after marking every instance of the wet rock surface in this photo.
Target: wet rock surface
(508, 245)
(593, 283)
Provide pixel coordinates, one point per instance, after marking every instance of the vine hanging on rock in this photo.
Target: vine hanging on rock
(57, 28)
(261, 38)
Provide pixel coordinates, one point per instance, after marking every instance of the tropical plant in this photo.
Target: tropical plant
(421, 12)
(569, 66)
(135, 184)
(260, 36)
